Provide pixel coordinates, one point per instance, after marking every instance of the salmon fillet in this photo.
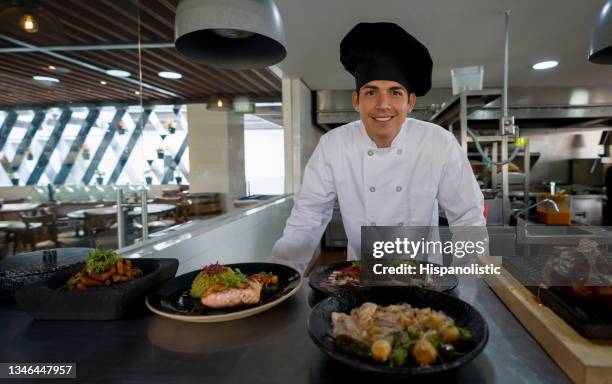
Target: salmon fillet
(224, 297)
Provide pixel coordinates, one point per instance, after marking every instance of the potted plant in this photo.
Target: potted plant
(121, 128)
(85, 152)
(14, 178)
(161, 151)
(171, 125)
(149, 177)
(99, 177)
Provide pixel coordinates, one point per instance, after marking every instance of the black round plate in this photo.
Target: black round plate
(318, 279)
(173, 300)
(320, 328)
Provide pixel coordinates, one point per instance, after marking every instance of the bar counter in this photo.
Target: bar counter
(272, 347)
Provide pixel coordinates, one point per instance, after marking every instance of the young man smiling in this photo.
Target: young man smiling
(384, 169)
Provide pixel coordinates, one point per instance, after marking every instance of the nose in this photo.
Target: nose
(382, 101)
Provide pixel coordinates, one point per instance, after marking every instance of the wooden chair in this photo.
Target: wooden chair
(95, 223)
(40, 231)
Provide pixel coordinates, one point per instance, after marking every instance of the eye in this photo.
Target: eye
(397, 93)
(369, 93)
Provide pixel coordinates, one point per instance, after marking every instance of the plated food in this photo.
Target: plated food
(398, 334)
(218, 286)
(398, 330)
(52, 300)
(103, 267)
(583, 272)
(344, 276)
(225, 292)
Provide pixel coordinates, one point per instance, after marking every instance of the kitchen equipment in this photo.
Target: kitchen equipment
(335, 235)
(548, 215)
(580, 172)
(467, 79)
(588, 209)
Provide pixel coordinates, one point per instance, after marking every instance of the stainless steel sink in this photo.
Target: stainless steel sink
(546, 230)
(558, 235)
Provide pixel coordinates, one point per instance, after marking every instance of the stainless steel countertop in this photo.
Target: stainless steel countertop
(273, 347)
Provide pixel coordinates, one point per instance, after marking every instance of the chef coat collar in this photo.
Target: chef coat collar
(370, 144)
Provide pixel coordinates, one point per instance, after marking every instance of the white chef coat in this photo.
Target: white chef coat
(396, 186)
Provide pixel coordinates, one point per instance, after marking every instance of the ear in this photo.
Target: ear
(411, 101)
(355, 96)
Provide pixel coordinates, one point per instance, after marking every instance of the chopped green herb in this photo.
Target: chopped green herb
(99, 260)
(465, 334)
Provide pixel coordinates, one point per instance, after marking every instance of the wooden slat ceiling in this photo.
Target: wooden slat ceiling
(104, 22)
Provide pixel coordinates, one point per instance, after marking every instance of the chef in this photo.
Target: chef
(385, 169)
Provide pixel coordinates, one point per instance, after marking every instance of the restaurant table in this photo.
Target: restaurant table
(18, 207)
(272, 347)
(152, 209)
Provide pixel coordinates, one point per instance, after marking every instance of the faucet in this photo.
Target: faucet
(121, 216)
(518, 212)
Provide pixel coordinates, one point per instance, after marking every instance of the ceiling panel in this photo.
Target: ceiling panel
(112, 22)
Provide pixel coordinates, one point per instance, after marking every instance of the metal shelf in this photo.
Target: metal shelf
(474, 100)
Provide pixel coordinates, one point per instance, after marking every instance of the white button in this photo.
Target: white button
(372, 189)
(370, 153)
(400, 224)
(373, 224)
(398, 188)
(399, 151)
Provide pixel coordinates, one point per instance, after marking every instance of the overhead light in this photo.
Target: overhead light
(102, 82)
(600, 49)
(219, 103)
(231, 33)
(46, 78)
(136, 92)
(545, 64)
(28, 23)
(57, 69)
(170, 75)
(117, 73)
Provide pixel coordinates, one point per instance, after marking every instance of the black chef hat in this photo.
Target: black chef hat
(384, 51)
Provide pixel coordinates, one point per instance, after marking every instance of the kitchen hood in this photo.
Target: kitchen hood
(532, 107)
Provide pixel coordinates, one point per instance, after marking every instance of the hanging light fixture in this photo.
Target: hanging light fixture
(30, 17)
(230, 33)
(219, 103)
(28, 23)
(600, 49)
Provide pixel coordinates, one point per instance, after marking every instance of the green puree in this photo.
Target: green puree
(229, 277)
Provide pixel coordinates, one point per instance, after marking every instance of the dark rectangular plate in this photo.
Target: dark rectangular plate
(590, 320)
(45, 300)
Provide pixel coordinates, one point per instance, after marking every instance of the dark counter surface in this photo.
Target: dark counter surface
(272, 347)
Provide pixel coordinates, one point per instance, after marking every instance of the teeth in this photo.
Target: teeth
(383, 118)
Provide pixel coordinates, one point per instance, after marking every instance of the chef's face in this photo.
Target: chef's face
(383, 106)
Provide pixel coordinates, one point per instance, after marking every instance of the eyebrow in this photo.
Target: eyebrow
(394, 88)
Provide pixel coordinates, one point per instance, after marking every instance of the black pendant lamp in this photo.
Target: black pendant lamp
(230, 33)
(600, 50)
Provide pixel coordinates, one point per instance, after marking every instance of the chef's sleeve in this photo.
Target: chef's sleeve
(458, 192)
(312, 210)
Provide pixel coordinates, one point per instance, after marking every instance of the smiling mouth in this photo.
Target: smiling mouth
(383, 119)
